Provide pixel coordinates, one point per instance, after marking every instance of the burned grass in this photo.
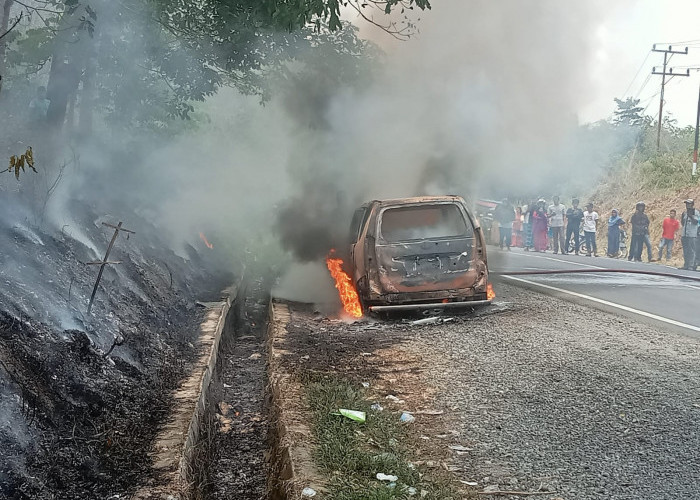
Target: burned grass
(91, 418)
(83, 396)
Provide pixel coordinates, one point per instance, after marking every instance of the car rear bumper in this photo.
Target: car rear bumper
(435, 305)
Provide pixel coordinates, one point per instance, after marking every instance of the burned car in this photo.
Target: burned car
(418, 253)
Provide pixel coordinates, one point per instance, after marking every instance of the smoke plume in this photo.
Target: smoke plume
(481, 103)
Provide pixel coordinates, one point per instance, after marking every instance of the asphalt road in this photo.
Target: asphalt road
(544, 394)
(667, 302)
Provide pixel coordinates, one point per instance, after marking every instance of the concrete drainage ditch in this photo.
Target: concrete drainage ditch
(215, 443)
(177, 443)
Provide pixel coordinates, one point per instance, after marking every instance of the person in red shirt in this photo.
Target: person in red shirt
(671, 225)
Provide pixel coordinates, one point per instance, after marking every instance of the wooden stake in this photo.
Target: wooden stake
(106, 260)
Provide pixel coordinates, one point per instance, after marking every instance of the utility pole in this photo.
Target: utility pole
(664, 74)
(695, 150)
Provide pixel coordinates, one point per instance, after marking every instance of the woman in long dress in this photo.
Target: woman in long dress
(527, 225)
(614, 224)
(539, 227)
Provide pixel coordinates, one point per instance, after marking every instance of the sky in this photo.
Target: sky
(623, 59)
(620, 60)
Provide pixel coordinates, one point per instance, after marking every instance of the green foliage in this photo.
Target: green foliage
(153, 59)
(628, 113)
(648, 168)
(665, 171)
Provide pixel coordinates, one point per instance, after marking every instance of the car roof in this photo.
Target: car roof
(482, 202)
(417, 200)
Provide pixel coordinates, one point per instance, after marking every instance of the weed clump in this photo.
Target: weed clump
(351, 454)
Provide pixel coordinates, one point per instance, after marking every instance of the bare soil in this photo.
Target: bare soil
(658, 205)
(375, 353)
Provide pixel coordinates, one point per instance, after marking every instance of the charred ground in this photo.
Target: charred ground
(82, 396)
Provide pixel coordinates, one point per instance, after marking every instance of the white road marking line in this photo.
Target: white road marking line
(559, 260)
(610, 304)
(574, 263)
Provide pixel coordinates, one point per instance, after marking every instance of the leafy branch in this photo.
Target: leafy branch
(17, 163)
(19, 18)
(400, 31)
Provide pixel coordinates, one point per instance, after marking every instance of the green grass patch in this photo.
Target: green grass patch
(351, 453)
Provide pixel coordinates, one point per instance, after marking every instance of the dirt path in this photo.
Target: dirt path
(239, 465)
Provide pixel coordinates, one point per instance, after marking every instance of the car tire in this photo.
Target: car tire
(362, 292)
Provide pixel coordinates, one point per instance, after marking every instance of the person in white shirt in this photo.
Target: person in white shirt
(590, 224)
(556, 214)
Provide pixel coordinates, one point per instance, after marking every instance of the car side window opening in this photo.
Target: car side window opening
(424, 222)
(357, 223)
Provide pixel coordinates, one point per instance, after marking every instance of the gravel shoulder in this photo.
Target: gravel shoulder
(551, 395)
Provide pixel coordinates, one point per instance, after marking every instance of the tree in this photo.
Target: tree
(628, 112)
(5, 30)
(169, 53)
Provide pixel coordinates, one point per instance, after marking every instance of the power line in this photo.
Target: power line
(686, 42)
(644, 84)
(693, 67)
(637, 74)
(650, 99)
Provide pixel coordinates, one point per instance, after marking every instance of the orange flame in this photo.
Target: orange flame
(205, 240)
(348, 295)
(490, 294)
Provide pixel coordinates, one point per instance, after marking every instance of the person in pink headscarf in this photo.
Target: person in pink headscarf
(539, 227)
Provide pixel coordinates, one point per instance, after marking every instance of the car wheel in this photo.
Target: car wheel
(362, 292)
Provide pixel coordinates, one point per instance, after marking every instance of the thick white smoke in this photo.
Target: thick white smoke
(481, 102)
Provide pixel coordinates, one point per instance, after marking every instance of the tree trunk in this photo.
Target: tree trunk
(64, 75)
(63, 82)
(70, 113)
(4, 26)
(87, 97)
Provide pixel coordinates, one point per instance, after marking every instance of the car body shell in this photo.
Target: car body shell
(395, 273)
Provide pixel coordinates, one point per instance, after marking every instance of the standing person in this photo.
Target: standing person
(517, 240)
(556, 214)
(505, 215)
(697, 249)
(640, 228)
(527, 225)
(590, 225)
(670, 227)
(689, 234)
(39, 106)
(539, 227)
(614, 224)
(647, 243)
(574, 216)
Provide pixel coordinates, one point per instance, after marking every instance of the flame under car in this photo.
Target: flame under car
(418, 253)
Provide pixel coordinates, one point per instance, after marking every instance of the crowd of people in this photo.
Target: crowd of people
(539, 227)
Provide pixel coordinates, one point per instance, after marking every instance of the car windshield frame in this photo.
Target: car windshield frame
(464, 217)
